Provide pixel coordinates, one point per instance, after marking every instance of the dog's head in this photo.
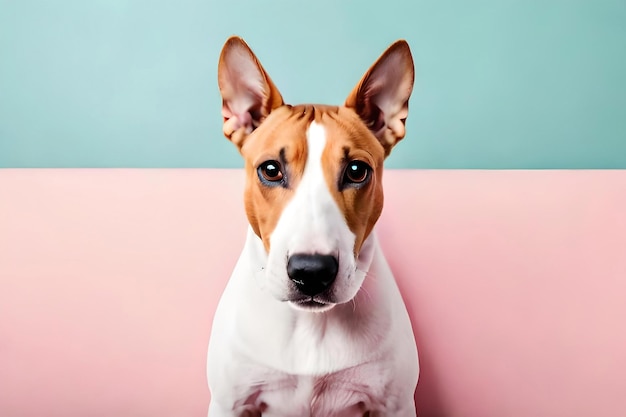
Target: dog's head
(314, 173)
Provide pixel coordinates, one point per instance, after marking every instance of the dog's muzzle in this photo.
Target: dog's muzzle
(312, 274)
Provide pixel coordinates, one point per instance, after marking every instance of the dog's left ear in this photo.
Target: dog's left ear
(381, 98)
(248, 93)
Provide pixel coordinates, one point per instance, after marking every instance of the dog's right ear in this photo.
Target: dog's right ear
(248, 93)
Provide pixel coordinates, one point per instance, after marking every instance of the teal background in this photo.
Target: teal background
(500, 83)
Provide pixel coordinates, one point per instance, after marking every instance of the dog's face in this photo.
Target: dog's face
(314, 187)
(314, 173)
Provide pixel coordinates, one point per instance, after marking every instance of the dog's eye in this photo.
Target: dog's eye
(357, 172)
(270, 171)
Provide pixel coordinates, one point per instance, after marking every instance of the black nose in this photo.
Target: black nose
(312, 274)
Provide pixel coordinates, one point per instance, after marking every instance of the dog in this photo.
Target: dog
(311, 322)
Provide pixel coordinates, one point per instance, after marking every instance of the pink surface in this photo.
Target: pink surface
(515, 281)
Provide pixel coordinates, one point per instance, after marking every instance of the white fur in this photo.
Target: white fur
(357, 356)
(312, 223)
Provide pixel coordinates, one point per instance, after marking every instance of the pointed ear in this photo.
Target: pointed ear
(248, 93)
(381, 98)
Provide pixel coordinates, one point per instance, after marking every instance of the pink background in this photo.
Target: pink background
(515, 281)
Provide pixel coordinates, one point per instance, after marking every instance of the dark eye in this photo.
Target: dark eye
(270, 171)
(357, 172)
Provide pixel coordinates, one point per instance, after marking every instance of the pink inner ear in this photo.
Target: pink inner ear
(377, 118)
(381, 98)
(247, 91)
(390, 85)
(234, 122)
(243, 88)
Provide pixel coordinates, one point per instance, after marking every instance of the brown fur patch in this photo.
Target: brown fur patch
(348, 139)
(284, 131)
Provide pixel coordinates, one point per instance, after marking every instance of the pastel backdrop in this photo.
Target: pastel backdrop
(514, 279)
(500, 83)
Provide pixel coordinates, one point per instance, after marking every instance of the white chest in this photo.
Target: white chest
(267, 358)
(350, 392)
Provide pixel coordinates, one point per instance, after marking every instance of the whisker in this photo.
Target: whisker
(367, 294)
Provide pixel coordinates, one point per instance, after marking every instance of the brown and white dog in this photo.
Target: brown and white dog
(311, 322)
